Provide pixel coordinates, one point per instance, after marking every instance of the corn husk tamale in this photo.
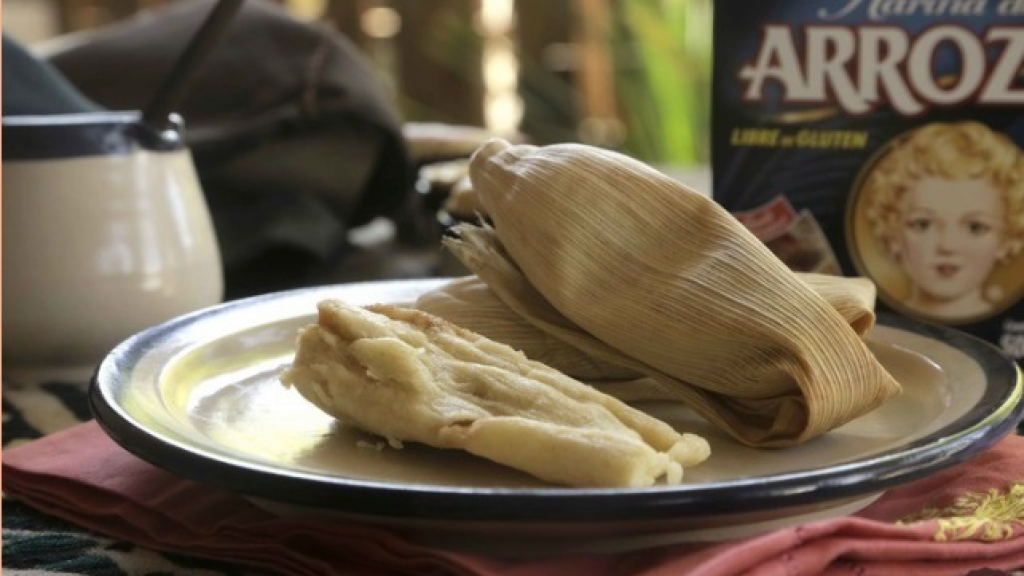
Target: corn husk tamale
(469, 302)
(529, 323)
(853, 297)
(666, 281)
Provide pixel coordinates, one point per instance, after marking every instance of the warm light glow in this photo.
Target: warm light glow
(502, 113)
(496, 17)
(503, 108)
(309, 10)
(380, 22)
(501, 73)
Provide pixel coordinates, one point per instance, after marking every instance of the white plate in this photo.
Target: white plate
(199, 396)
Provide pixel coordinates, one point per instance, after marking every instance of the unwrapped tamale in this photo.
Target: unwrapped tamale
(410, 376)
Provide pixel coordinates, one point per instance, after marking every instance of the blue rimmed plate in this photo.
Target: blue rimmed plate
(199, 397)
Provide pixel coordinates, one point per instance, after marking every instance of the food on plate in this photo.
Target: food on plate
(410, 376)
(607, 253)
(470, 303)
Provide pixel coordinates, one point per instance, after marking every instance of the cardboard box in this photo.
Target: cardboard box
(881, 138)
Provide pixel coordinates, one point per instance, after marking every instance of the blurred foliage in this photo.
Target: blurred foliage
(660, 51)
(663, 67)
(660, 54)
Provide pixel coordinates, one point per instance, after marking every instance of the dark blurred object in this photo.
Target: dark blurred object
(293, 135)
(159, 112)
(441, 155)
(32, 86)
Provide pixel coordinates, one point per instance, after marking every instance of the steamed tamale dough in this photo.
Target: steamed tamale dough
(410, 376)
(663, 276)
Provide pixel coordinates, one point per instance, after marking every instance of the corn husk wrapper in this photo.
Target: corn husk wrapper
(853, 297)
(468, 302)
(652, 272)
(536, 328)
(480, 249)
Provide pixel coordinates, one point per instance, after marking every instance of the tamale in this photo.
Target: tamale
(470, 303)
(410, 376)
(662, 275)
(853, 297)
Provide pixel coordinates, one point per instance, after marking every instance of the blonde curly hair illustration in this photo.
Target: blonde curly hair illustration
(947, 203)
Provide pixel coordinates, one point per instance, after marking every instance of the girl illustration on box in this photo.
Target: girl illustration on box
(946, 203)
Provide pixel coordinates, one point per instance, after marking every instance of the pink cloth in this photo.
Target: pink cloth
(973, 519)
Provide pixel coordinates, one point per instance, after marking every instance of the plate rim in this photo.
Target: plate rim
(994, 416)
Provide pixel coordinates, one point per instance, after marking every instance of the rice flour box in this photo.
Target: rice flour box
(881, 138)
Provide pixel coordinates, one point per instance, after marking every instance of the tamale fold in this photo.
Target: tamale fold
(853, 297)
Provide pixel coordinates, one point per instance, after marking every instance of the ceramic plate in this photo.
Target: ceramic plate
(199, 397)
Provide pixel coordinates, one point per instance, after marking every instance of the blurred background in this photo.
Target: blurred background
(296, 124)
(628, 75)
